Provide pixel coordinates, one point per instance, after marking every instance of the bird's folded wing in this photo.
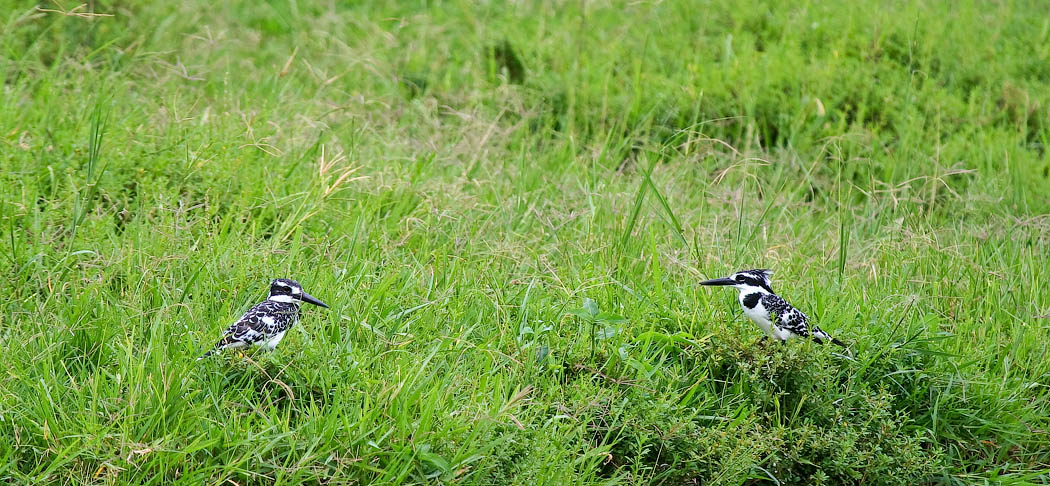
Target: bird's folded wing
(248, 329)
(785, 316)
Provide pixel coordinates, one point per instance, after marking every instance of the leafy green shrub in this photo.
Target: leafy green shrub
(790, 412)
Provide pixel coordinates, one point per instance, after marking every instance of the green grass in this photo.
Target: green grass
(508, 207)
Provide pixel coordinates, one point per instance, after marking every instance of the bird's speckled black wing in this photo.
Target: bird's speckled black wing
(785, 316)
(259, 323)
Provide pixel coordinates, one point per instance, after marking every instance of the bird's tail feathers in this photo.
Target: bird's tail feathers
(823, 336)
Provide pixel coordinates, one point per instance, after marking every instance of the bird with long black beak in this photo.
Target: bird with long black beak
(773, 314)
(264, 324)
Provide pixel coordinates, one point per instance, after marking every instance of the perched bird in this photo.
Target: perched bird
(774, 315)
(266, 322)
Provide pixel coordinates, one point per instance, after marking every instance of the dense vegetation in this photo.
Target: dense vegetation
(508, 206)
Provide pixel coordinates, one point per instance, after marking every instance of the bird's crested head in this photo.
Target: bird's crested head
(756, 280)
(288, 290)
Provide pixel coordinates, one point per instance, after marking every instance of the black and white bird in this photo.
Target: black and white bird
(773, 314)
(266, 322)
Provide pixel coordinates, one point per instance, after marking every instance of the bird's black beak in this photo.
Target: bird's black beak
(313, 300)
(719, 281)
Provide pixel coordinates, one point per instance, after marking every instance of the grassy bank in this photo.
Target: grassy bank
(508, 208)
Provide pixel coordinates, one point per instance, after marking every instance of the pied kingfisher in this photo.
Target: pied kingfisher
(774, 315)
(266, 322)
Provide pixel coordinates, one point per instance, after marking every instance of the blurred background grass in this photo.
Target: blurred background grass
(508, 206)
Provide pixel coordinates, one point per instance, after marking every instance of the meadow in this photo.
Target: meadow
(508, 207)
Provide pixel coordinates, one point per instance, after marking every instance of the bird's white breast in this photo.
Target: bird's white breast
(271, 343)
(761, 316)
(758, 314)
